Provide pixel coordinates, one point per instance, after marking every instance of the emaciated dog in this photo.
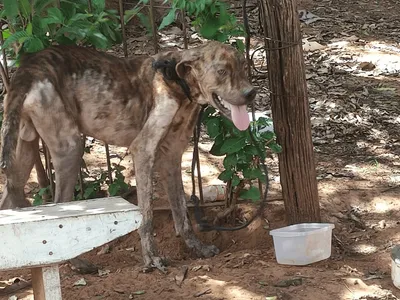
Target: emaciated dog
(62, 92)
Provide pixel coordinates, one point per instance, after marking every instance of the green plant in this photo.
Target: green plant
(211, 18)
(241, 162)
(38, 197)
(91, 186)
(119, 186)
(36, 24)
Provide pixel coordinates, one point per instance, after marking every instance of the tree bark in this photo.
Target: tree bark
(290, 110)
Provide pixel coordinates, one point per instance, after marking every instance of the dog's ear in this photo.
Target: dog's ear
(184, 66)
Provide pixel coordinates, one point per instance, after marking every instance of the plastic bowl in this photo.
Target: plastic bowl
(302, 244)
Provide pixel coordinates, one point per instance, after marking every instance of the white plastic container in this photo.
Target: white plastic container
(396, 266)
(302, 244)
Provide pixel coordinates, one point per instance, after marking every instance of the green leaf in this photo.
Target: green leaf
(43, 191)
(240, 45)
(113, 189)
(235, 180)
(230, 161)
(25, 8)
(15, 38)
(39, 5)
(54, 16)
(145, 22)
(232, 145)
(226, 175)
(213, 127)
(129, 14)
(29, 29)
(68, 10)
(252, 193)
(33, 45)
(98, 40)
(37, 27)
(216, 148)
(11, 8)
(6, 34)
(168, 19)
(267, 135)
(98, 5)
(37, 200)
(210, 28)
(250, 150)
(275, 147)
(89, 192)
(252, 173)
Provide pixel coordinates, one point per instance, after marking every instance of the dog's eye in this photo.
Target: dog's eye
(222, 72)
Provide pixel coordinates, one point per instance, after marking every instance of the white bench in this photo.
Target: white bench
(41, 237)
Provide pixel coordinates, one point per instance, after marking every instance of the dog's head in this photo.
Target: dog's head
(215, 73)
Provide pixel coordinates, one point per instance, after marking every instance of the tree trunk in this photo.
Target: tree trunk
(290, 110)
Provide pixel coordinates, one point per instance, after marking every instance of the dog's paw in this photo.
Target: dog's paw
(207, 250)
(156, 262)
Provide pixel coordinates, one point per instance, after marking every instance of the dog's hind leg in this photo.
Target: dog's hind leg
(66, 150)
(13, 193)
(62, 136)
(66, 165)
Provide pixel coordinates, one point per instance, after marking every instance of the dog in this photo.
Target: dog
(62, 92)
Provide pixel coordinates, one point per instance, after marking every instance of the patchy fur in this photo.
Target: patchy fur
(62, 92)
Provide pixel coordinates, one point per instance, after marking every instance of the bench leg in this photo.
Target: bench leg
(46, 283)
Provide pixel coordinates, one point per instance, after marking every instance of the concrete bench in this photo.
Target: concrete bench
(44, 236)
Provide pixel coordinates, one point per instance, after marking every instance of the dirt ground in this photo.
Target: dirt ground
(353, 78)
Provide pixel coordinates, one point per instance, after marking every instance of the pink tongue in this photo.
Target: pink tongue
(240, 117)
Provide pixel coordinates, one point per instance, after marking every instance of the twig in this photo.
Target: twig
(184, 29)
(3, 68)
(121, 14)
(47, 158)
(205, 292)
(80, 169)
(109, 169)
(153, 26)
(90, 6)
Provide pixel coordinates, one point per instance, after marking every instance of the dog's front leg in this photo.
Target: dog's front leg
(172, 178)
(144, 149)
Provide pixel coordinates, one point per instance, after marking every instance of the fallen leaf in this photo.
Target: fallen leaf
(104, 250)
(207, 268)
(181, 276)
(312, 46)
(138, 293)
(104, 272)
(367, 66)
(382, 224)
(80, 282)
(196, 268)
(307, 17)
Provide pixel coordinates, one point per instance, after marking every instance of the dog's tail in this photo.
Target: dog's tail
(10, 127)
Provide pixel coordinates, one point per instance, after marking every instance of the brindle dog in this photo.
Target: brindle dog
(62, 92)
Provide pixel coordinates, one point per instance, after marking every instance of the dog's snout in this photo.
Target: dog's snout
(250, 94)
